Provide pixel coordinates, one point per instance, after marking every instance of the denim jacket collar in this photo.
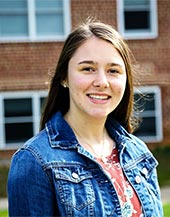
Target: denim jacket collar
(62, 136)
(60, 133)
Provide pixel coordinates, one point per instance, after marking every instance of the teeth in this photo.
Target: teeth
(98, 97)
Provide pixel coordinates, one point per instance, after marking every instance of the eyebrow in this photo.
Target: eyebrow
(116, 64)
(92, 62)
(86, 62)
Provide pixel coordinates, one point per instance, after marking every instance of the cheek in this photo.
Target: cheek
(77, 83)
(123, 84)
(119, 86)
(76, 88)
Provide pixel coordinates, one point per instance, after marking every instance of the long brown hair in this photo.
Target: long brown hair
(58, 96)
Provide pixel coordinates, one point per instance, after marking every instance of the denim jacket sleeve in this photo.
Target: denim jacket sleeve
(29, 188)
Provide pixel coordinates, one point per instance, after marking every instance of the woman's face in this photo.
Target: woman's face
(96, 79)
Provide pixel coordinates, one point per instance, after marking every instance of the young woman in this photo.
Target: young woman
(85, 161)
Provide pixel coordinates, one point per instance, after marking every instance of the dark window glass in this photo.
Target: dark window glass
(147, 127)
(18, 107)
(42, 102)
(146, 101)
(137, 20)
(18, 120)
(146, 106)
(18, 132)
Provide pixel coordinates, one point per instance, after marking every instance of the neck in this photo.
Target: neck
(91, 134)
(88, 128)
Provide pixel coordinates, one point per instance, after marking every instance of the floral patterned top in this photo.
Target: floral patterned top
(130, 204)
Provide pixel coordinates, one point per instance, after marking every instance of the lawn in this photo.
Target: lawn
(167, 210)
(3, 213)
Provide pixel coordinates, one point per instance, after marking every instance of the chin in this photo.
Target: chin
(98, 115)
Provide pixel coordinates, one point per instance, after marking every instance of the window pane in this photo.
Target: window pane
(49, 24)
(13, 4)
(137, 20)
(136, 2)
(147, 127)
(13, 18)
(18, 132)
(137, 14)
(42, 102)
(49, 17)
(150, 102)
(18, 107)
(146, 102)
(13, 25)
(48, 4)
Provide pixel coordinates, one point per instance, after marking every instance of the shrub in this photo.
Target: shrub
(3, 180)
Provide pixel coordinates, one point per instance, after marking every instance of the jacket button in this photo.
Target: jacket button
(145, 171)
(138, 179)
(75, 175)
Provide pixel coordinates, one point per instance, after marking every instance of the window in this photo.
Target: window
(20, 116)
(148, 100)
(34, 20)
(137, 19)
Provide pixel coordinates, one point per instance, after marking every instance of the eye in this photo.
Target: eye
(113, 71)
(88, 69)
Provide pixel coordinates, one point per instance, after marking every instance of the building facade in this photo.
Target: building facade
(32, 33)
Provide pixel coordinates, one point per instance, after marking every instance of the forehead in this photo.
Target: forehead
(97, 50)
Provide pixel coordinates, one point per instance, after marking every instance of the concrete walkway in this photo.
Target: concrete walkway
(3, 203)
(165, 193)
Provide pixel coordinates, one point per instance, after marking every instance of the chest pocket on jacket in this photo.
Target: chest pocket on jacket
(147, 170)
(74, 186)
(143, 172)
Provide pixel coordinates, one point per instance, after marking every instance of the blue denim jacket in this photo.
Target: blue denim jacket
(52, 175)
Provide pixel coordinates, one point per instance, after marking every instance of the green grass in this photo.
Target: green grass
(166, 210)
(166, 207)
(3, 213)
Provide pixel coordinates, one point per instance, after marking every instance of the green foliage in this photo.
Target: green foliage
(163, 157)
(3, 180)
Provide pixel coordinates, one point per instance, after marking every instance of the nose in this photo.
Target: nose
(101, 80)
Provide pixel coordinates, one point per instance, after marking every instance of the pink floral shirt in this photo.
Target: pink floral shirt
(130, 204)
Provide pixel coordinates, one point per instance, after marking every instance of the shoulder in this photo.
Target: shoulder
(132, 143)
(33, 149)
(140, 152)
(139, 144)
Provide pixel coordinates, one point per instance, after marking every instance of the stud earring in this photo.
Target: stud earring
(64, 83)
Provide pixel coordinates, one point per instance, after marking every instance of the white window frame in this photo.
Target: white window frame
(36, 112)
(138, 34)
(158, 111)
(32, 37)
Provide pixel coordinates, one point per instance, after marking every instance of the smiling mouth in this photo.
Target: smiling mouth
(98, 97)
